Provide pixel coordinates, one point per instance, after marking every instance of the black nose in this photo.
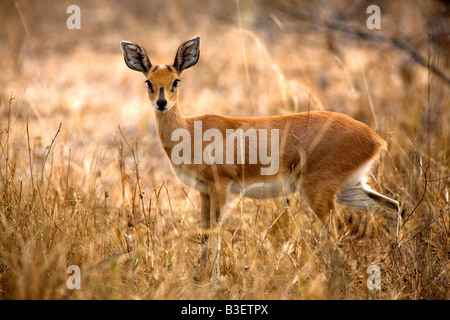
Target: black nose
(161, 103)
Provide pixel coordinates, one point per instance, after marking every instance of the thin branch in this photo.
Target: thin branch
(136, 164)
(31, 163)
(423, 193)
(397, 42)
(49, 149)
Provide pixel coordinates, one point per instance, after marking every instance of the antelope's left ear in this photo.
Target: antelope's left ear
(187, 55)
(135, 57)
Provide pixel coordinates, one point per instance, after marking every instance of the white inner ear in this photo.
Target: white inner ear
(188, 55)
(136, 58)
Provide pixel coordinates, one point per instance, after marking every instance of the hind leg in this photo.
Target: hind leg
(320, 198)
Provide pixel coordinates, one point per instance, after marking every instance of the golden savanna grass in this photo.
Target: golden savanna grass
(84, 180)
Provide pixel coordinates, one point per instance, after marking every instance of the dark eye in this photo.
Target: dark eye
(175, 83)
(149, 85)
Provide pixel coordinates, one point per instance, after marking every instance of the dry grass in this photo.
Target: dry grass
(77, 131)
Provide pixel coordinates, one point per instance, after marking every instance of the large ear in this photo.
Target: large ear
(187, 54)
(135, 57)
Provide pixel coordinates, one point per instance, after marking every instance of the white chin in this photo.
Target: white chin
(163, 110)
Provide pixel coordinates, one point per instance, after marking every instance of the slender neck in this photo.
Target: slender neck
(166, 123)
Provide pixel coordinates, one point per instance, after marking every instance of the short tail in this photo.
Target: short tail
(361, 196)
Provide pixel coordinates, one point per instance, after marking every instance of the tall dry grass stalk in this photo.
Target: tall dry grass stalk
(83, 179)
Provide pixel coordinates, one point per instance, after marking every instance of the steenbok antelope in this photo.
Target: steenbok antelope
(323, 155)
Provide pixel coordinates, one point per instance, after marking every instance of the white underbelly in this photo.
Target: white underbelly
(268, 188)
(265, 189)
(191, 181)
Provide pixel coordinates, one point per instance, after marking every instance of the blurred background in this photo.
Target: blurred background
(257, 58)
(69, 105)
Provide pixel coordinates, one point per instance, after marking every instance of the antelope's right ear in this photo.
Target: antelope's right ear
(135, 57)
